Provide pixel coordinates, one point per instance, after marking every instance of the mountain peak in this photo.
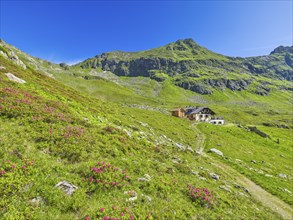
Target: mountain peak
(189, 41)
(185, 44)
(282, 49)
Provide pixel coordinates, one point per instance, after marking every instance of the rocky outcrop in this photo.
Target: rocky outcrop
(14, 58)
(277, 65)
(195, 87)
(10, 55)
(282, 49)
(262, 90)
(232, 84)
(142, 66)
(206, 86)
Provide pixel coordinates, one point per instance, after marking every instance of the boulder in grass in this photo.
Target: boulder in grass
(14, 78)
(214, 176)
(281, 175)
(145, 177)
(216, 151)
(67, 187)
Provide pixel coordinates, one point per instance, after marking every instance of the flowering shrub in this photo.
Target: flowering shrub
(73, 132)
(70, 142)
(201, 196)
(13, 177)
(15, 103)
(117, 213)
(105, 176)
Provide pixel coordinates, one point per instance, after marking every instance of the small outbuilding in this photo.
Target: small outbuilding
(217, 121)
(178, 112)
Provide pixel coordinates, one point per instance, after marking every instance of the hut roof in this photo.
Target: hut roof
(195, 110)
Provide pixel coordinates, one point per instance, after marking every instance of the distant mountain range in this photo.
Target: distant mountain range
(195, 68)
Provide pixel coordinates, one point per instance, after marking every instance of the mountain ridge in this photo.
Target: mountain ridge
(190, 66)
(196, 68)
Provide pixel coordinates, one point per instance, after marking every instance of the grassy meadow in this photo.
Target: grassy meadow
(115, 140)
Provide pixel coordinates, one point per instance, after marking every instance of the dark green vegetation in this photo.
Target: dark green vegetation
(50, 132)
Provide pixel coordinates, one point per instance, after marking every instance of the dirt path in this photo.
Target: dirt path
(258, 193)
(200, 140)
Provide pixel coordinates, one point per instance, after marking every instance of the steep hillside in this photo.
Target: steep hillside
(50, 132)
(265, 101)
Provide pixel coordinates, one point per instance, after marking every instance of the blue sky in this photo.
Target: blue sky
(71, 31)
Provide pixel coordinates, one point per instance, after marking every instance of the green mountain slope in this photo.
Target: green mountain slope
(272, 108)
(279, 64)
(59, 133)
(196, 68)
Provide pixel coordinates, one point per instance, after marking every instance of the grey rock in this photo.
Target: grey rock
(131, 193)
(253, 161)
(237, 85)
(287, 191)
(281, 175)
(14, 58)
(147, 197)
(260, 171)
(226, 188)
(132, 199)
(145, 177)
(127, 132)
(180, 146)
(195, 87)
(143, 124)
(188, 148)
(194, 172)
(14, 78)
(2, 68)
(176, 159)
(268, 175)
(67, 187)
(242, 187)
(202, 178)
(214, 176)
(38, 199)
(242, 194)
(216, 151)
(3, 54)
(20, 63)
(262, 90)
